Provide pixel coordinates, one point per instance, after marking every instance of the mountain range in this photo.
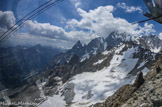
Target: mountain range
(88, 74)
(98, 45)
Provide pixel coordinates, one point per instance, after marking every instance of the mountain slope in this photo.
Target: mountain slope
(22, 62)
(98, 77)
(88, 74)
(147, 95)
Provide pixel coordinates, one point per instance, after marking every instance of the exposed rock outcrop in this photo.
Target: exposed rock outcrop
(139, 80)
(68, 92)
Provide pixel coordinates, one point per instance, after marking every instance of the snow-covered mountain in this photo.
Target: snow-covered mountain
(93, 80)
(88, 74)
(95, 46)
(152, 42)
(98, 45)
(95, 71)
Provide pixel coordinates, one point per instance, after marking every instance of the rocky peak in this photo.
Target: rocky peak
(96, 45)
(78, 45)
(116, 37)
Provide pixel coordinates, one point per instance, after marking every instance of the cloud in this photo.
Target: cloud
(7, 20)
(101, 22)
(45, 29)
(85, 37)
(129, 9)
(55, 32)
(76, 3)
(160, 35)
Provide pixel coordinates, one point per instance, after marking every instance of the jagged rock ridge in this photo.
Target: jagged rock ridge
(98, 45)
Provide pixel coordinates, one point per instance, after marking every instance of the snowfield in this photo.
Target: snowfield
(93, 87)
(96, 87)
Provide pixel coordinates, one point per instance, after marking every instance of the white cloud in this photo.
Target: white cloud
(129, 9)
(102, 22)
(99, 22)
(76, 3)
(55, 32)
(7, 20)
(160, 35)
(95, 23)
(85, 37)
(46, 30)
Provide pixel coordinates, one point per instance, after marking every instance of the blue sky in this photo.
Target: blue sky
(70, 18)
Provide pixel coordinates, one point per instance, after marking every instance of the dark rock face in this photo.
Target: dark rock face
(158, 69)
(139, 80)
(74, 60)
